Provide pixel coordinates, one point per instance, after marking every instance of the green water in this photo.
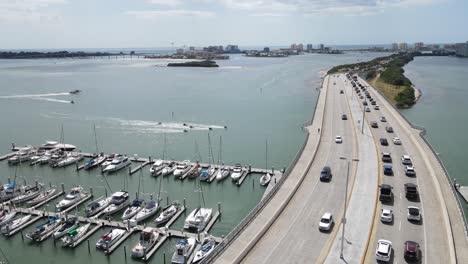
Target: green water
(257, 99)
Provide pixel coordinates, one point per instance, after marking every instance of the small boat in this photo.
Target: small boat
(66, 226)
(28, 195)
(23, 155)
(56, 157)
(119, 201)
(150, 209)
(207, 247)
(265, 179)
(182, 168)
(237, 172)
(74, 235)
(205, 173)
(7, 217)
(94, 162)
(97, 206)
(167, 213)
(148, 239)
(70, 158)
(194, 172)
(44, 159)
(34, 159)
(118, 163)
(73, 197)
(222, 173)
(133, 209)
(49, 145)
(12, 225)
(184, 249)
(75, 92)
(169, 169)
(12, 190)
(198, 219)
(45, 230)
(109, 159)
(42, 197)
(157, 167)
(110, 238)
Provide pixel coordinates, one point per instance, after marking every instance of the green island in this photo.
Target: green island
(206, 63)
(387, 75)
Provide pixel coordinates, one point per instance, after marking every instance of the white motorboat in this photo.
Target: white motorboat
(28, 195)
(66, 226)
(94, 162)
(167, 213)
(97, 206)
(34, 159)
(205, 172)
(184, 249)
(110, 238)
(11, 190)
(169, 169)
(12, 225)
(42, 197)
(182, 168)
(133, 209)
(237, 172)
(265, 179)
(117, 163)
(148, 239)
(70, 158)
(157, 167)
(207, 247)
(73, 197)
(109, 159)
(56, 145)
(23, 155)
(56, 157)
(45, 157)
(45, 230)
(150, 209)
(119, 201)
(74, 235)
(222, 173)
(7, 217)
(198, 219)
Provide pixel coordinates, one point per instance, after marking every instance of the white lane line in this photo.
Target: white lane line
(399, 226)
(400, 195)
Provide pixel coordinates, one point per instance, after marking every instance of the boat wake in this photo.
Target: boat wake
(43, 97)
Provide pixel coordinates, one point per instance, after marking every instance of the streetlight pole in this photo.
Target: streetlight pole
(363, 115)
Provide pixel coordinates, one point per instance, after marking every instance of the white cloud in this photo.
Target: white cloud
(165, 2)
(28, 10)
(152, 15)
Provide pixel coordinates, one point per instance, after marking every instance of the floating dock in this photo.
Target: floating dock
(463, 191)
(139, 167)
(121, 240)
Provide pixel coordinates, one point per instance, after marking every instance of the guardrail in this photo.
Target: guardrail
(422, 134)
(258, 208)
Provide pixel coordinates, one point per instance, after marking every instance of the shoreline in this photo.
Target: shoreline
(417, 94)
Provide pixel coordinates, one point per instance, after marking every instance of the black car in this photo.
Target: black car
(364, 103)
(383, 142)
(341, 91)
(389, 129)
(386, 194)
(325, 174)
(344, 117)
(412, 251)
(411, 191)
(374, 124)
(373, 103)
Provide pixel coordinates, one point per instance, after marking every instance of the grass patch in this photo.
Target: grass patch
(388, 90)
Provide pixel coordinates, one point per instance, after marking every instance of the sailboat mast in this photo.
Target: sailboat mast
(266, 155)
(95, 140)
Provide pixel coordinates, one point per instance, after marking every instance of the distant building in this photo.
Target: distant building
(321, 46)
(462, 49)
(293, 46)
(179, 51)
(403, 46)
(394, 46)
(232, 49)
(300, 47)
(310, 47)
(266, 49)
(418, 45)
(214, 49)
(192, 48)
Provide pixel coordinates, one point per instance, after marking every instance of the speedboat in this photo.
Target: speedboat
(12, 225)
(150, 209)
(28, 195)
(94, 162)
(66, 226)
(75, 91)
(167, 213)
(184, 249)
(70, 158)
(133, 209)
(182, 168)
(117, 163)
(42, 197)
(97, 206)
(118, 202)
(148, 239)
(169, 169)
(157, 167)
(109, 159)
(73, 197)
(56, 145)
(7, 217)
(237, 172)
(222, 173)
(207, 247)
(57, 157)
(265, 179)
(45, 230)
(22, 156)
(74, 235)
(109, 239)
(198, 219)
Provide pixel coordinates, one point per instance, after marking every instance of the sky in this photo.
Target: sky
(30, 24)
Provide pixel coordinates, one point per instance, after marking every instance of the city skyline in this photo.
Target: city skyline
(29, 24)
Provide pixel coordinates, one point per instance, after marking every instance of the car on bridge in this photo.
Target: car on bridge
(387, 215)
(341, 92)
(383, 119)
(376, 107)
(326, 222)
(367, 109)
(389, 129)
(325, 174)
(411, 191)
(388, 169)
(383, 142)
(406, 160)
(364, 103)
(409, 171)
(414, 214)
(412, 251)
(374, 124)
(386, 194)
(383, 252)
(386, 157)
(338, 139)
(344, 117)
(396, 141)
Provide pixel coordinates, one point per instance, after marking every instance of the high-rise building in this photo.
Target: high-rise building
(232, 49)
(418, 45)
(394, 46)
(403, 46)
(300, 47)
(293, 46)
(266, 49)
(462, 49)
(321, 46)
(309, 47)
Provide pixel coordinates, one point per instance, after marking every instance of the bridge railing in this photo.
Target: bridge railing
(258, 208)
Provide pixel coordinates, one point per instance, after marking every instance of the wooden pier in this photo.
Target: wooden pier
(84, 199)
(139, 167)
(7, 156)
(212, 221)
(242, 177)
(150, 253)
(175, 217)
(48, 200)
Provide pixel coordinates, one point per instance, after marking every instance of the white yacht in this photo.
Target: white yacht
(12, 225)
(133, 209)
(198, 219)
(184, 248)
(157, 167)
(110, 238)
(148, 239)
(54, 144)
(73, 197)
(7, 217)
(167, 213)
(26, 196)
(42, 197)
(94, 162)
(97, 206)
(170, 168)
(118, 163)
(150, 209)
(237, 172)
(23, 155)
(45, 230)
(70, 158)
(45, 157)
(119, 201)
(74, 235)
(182, 168)
(207, 247)
(265, 179)
(222, 173)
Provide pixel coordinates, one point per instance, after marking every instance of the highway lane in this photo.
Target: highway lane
(402, 230)
(294, 236)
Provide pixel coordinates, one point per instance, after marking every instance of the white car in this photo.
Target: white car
(409, 171)
(338, 139)
(414, 214)
(383, 252)
(387, 215)
(396, 141)
(326, 222)
(406, 160)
